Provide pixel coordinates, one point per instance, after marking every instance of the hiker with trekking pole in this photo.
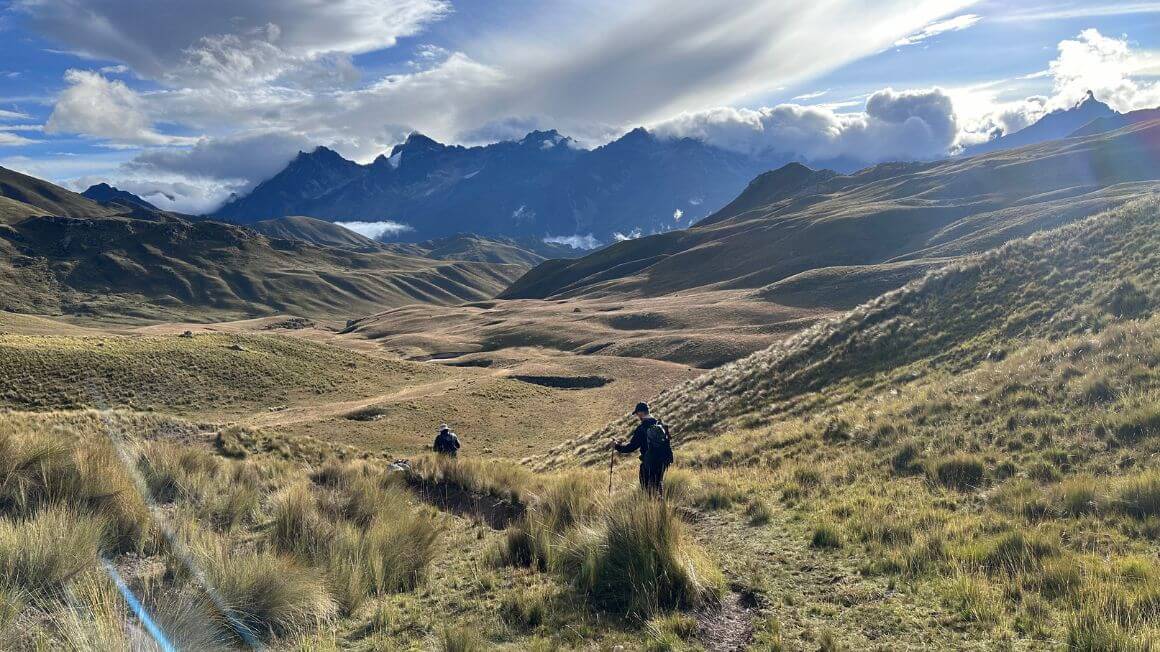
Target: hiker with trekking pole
(651, 438)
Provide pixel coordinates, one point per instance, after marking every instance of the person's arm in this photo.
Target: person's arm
(455, 442)
(636, 442)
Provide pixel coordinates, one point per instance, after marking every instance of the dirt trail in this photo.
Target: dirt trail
(727, 627)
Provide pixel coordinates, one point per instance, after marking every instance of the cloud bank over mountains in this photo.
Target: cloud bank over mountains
(228, 92)
(902, 125)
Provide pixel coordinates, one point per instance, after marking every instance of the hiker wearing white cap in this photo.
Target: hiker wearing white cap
(446, 443)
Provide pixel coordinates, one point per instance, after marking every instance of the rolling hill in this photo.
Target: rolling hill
(144, 264)
(791, 222)
(23, 196)
(314, 231)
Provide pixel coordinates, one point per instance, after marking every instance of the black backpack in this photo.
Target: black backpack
(659, 448)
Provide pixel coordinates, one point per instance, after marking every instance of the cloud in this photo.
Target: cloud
(1058, 11)
(1107, 66)
(8, 139)
(13, 115)
(171, 194)
(245, 158)
(199, 42)
(958, 23)
(810, 96)
(575, 241)
(661, 57)
(894, 125)
(1104, 65)
(631, 235)
(376, 230)
(98, 107)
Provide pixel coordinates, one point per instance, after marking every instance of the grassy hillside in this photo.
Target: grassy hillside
(984, 439)
(314, 231)
(196, 271)
(22, 196)
(205, 374)
(792, 221)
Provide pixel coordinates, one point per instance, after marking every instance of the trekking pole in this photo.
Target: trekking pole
(611, 463)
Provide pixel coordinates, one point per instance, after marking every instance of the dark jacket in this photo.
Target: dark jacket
(446, 442)
(639, 441)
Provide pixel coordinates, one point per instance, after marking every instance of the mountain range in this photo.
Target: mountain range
(540, 186)
(545, 186)
(796, 234)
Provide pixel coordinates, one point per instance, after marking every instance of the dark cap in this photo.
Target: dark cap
(640, 407)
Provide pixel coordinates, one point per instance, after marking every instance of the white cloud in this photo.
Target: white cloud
(902, 125)
(1107, 66)
(13, 115)
(958, 23)
(245, 159)
(678, 214)
(98, 107)
(376, 230)
(631, 235)
(1104, 65)
(810, 96)
(8, 139)
(1062, 11)
(575, 241)
(203, 41)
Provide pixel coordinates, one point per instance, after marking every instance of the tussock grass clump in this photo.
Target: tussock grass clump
(506, 481)
(758, 512)
(682, 486)
(268, 595)
(36, 471)
(1011, 552)
(1077, 496)
(1139, 495)
(639, 561)
(357, 524)
(297, 526)
(397, 554)
(826, 536)
(960, 472)
(40, 553)
(631, 557)
(1136, 424)
(524, 610)
(459, 639)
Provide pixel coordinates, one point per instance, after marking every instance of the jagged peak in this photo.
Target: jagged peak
(320, 154)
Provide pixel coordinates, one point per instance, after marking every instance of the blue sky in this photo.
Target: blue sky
(185, 102)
